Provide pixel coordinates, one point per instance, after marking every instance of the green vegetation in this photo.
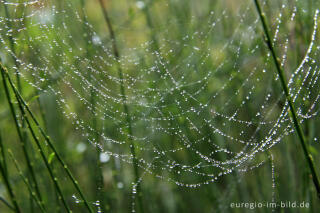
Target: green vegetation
(159, 106)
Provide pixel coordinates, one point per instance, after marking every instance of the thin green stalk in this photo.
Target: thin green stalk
(273, 176)
(5, 177)
(21, 138)
(11, 43)
(54, 179)
(99, 171)
(124, 100)
(26, 182)
(32, 96)
(7, 204)
(9, 189)
(289, 99)
(44, 158)
(151, 26)
(47, 139)
(13, 49)
(3, 160)
(4, 164)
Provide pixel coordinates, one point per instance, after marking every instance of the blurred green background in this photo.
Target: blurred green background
(197, 84)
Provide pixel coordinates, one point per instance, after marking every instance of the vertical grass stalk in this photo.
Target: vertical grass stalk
(4, 165)
(7, 204)
(21, 138)
(18, 80)
(289, 99)
(11, 43)
(99, 172)
(5, 177)
(124, 100)
(47, 139)
(3, 160)
(44, 158)
(9, 189)
(26, 182)
(147, 14)
(273, 178)
(54, 179)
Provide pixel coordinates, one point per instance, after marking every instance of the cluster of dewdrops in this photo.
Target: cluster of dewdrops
(165, 99)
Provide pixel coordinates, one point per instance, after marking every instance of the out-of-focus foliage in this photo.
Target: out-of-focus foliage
(194, 92)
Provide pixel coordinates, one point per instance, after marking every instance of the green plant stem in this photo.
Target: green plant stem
(147, 14)
(18, 80)
(124, 100)
(26, 182)
(5, 177)
(3, 162)
(7, 204)
(54, 179)
(44, 158)
(99, 171)
(11, 43)
(47, 139)
(289, 99)
(9, 189)
(273, 176)
(21, 138)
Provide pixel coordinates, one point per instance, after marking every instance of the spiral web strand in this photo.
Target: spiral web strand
(178, 93)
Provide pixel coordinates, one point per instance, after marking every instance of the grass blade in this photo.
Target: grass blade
(5, 177)
(124, 100)
(48, 140)
(26, 182)
(289, 99)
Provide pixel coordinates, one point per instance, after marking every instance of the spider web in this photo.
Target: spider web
(203, 102)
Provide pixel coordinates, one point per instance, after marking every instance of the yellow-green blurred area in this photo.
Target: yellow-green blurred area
(157, 105)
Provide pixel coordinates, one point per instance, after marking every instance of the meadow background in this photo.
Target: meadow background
(94, 94)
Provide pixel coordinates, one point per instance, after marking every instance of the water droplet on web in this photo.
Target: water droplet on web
(104, 157)
(81, 147)
(120, 185)
(76, 199)
(96, 40)
(140, 4)
(134, 191)
(196, 48)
